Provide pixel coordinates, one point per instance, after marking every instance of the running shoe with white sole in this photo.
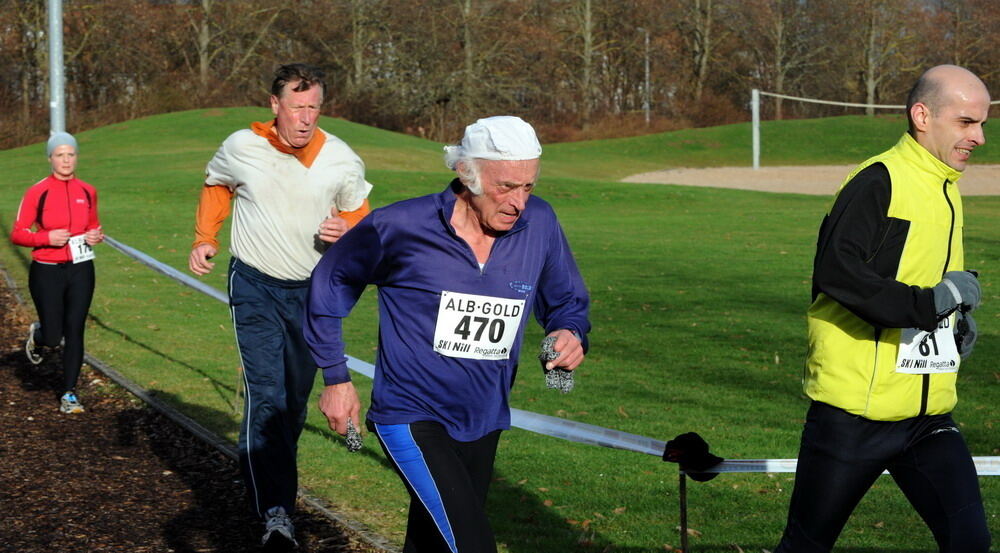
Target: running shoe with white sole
(70, 404)
(278, 528)
(34, 356)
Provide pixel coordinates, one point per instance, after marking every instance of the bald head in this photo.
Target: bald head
(940, 85)
(946, 110)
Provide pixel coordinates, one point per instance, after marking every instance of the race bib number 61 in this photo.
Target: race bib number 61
(922, 352)
(476, 327)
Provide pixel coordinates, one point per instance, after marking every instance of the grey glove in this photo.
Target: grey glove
(957, 290)
(555, 379)
(353, 439)
(965, 333)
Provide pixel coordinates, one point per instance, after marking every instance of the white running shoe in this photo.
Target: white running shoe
(277, 523)
(34, 356)
(70, 404)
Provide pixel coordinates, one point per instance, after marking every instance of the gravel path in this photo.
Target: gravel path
(120, 477)
(978, 180)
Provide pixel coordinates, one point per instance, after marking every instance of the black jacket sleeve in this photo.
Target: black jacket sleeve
(858, 254)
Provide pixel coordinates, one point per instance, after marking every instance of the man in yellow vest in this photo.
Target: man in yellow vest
(890, 322)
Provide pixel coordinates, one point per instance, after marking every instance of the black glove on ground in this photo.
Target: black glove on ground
(691, 452)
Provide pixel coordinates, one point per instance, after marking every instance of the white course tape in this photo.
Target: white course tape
(535, 422)
(830, 102)
(845, 104)
(985, 466)
(585, 433)
(167, 270)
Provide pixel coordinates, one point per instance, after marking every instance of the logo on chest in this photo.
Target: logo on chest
(521, 287)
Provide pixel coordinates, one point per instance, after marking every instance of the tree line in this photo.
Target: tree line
(575, 68)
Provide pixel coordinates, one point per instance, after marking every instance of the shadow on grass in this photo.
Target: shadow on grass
(519, 517)
(225, 392)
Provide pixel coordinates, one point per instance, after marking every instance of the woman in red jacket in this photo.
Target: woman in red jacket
(58, 220)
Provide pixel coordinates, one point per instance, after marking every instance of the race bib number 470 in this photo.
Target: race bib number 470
(476, 327)
(922, 352)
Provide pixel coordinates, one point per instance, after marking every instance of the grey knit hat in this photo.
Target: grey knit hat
(60, 139)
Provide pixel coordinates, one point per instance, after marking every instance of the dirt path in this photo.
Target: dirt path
(978, 180)
(118, 478)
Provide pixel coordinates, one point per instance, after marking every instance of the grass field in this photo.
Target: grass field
(698, 309)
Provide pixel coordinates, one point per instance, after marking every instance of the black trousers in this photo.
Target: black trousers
(448, 481)
(842, 454)
(62, 294)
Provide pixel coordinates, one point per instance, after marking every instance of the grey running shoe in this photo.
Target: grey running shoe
(70, 404)
(34, 357)
(278, 528)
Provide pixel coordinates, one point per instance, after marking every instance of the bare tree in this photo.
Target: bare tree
(584, 15)
(970, 31)
(32, 63)
(365, 15)
(698, 24)
(779, 34)
(887, 48)
(584, 45)
(428, 66)
(227, 29)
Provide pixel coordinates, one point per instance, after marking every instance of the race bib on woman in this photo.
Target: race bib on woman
(476, 327)
(80, 249)
(922, 352)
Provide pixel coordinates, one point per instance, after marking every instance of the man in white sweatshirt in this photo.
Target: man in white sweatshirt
(294, 189)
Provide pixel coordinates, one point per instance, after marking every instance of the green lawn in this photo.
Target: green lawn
(698, 310)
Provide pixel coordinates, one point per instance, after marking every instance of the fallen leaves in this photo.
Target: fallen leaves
(690, 532)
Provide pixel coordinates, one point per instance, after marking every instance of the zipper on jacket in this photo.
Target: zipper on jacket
(951, 229)
(69, 210)
(871, 383)
(926, 384)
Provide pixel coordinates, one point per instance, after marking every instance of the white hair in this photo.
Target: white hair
(469, 168)
(466, 167)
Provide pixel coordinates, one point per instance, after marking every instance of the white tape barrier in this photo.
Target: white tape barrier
(167, 270)
(357, 365)
(985, 466)
(535, 422)
(844, 104)
(755, 95)
(830, 102)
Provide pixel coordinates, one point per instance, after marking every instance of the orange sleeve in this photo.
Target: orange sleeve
(354, 217)
(213, 208)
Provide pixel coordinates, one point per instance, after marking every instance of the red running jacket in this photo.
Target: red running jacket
(54, 204)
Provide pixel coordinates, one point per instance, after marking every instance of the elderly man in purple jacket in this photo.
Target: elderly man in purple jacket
(458, 274)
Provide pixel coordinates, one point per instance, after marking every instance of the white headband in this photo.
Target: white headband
(502, 138)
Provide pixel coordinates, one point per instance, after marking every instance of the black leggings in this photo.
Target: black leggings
(447, 480)
(62, 295)
(841, 455)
